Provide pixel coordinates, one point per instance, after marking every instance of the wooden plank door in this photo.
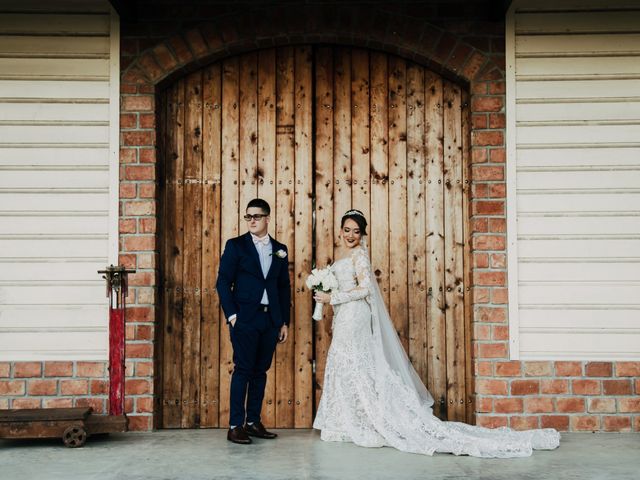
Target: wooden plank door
(314, 131)
(391, 139)
(239, 129)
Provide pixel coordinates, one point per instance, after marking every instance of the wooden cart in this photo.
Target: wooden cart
(72, 425)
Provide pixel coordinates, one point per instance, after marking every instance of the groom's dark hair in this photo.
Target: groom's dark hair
(260, 203)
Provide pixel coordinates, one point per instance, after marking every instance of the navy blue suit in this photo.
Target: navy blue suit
(240, 285)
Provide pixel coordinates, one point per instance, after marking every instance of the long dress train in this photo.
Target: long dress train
(373, 397)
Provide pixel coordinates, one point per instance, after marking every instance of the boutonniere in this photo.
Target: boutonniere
(280, 254)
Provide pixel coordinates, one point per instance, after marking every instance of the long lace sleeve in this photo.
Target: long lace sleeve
(363, 277)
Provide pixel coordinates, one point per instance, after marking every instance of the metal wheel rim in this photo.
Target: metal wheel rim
(74, 437)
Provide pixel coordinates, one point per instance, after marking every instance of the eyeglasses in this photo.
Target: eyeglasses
(255, 216)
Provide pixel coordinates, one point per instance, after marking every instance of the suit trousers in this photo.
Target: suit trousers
(254, 341)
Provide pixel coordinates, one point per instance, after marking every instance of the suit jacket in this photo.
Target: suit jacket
(241, 282)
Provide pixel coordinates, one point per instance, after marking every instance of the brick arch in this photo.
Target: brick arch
(149, 64)
(441, 51)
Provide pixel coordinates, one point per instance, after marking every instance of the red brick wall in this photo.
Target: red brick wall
(54, 384)
(565, 395)
(77, 384)
(457, 39)
(138, 221)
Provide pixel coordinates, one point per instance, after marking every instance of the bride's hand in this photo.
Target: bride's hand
(322, 297)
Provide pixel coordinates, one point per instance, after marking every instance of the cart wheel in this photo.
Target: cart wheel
(74, 437)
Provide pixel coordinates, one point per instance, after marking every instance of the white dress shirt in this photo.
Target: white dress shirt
(263, 246)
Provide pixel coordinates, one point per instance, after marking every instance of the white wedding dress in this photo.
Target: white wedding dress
(373, 397)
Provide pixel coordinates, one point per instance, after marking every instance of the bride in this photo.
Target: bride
(372, 396)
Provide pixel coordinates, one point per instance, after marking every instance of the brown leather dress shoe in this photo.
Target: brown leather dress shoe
(258, 430)
(238, 435)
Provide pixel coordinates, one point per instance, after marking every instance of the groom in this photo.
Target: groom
(255, 293)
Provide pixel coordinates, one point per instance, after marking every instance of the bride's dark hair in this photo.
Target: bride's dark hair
(358, 217)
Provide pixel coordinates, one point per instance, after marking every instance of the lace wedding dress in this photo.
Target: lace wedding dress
(373, 397)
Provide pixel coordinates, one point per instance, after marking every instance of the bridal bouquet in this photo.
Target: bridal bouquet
(322, 280)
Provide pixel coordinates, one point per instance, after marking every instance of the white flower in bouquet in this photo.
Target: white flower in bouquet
(329, 282)
(323, 280)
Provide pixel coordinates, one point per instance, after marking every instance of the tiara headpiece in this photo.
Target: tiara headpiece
(353, 212)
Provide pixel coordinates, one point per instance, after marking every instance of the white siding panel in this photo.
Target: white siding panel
(62, 270)
(571, 66)
(69, 91)
(78, 293)
(580, 319)
(53, 112)
(592, 178)
(602, 345)
(76, 6)
(578, 156)
(585, 294)
(573, 172)
(12, 134)
(34, 155)
(55, 345)
(54, 67)
(596, 91)
(17, 202)
(537, 201)
(567, 45)
(51, 23)
(26, 46)
(578, 111)
(62, 332)
(58, 121)
(599, 271)
(63, 178)
(43, 225)
(67, 317)
(49, 246)
(586, 224)
(578, 134)
(578, 22)
(578, 246)
(573, 5)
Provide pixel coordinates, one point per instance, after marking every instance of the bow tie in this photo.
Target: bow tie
(264, 240)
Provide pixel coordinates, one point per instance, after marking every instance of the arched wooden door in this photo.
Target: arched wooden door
(314, 131)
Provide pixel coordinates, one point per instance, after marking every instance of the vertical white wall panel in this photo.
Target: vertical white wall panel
(59, 87)
(573, 153)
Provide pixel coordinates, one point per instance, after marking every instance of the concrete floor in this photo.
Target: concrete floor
(300, 454)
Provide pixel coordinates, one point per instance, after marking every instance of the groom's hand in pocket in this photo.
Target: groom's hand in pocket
(284, 332)
(233, 319)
